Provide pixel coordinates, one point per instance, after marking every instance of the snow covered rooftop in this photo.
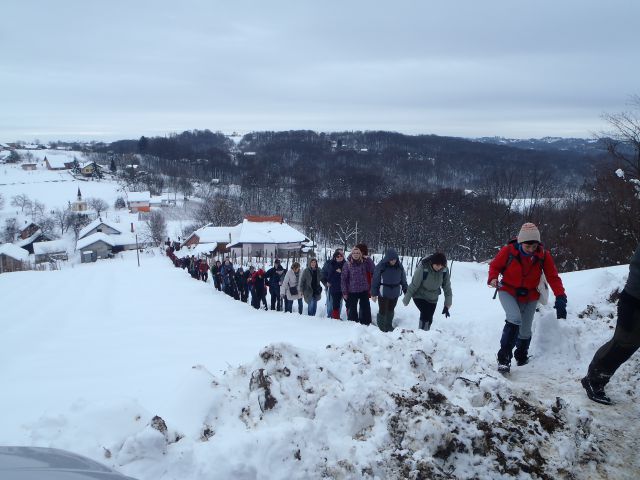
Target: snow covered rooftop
(211, 234)
(14, 251)
(267, 232)
(53, 246)
(112, 240)
(196, 250)
(139, 196)
(96, 223)
(57, 161)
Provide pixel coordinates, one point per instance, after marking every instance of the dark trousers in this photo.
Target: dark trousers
(386, 312)
(426, 313)
(625, 341)
(256, 298)
(276, 302)
(288, 306)
(365, 307)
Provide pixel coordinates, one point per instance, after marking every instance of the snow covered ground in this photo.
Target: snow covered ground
(156, 374)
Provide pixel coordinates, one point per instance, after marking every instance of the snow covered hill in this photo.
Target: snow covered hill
(161, 377)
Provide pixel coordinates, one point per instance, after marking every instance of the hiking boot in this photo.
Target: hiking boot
(522, 361)
(595, 392)
(504, 367)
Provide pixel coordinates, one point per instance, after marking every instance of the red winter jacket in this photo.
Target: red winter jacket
(524, 272)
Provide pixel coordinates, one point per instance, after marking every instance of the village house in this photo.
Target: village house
(29, 166)
(101, 226)
(50, 251)
(101, 245)
(210, 240)
(139, 201)
(29, 235)
(266, 236)
(57, 163)
(13, 258)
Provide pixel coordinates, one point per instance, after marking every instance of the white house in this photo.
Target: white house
(266, 237)
(101, 226)
(103, 245)
(52, 250)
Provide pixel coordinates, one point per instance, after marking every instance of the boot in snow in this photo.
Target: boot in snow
(595, 392)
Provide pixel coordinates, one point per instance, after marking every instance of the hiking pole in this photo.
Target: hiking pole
(495, 294)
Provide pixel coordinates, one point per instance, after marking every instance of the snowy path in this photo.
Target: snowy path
(93, 352)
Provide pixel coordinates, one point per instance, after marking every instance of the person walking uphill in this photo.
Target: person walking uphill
(310, 286)
(521, 264)
(389, 281)
(355, 286)
(625, 341)
(334, 283)
(291, 288)
(430, 277)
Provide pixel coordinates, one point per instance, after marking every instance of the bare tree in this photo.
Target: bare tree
(37, 211)
(156, 227)
(217, 210)
(345, 232)
(98, 204)
(10, 230)
(623, 141)
(61, 219)
(21, 200)
(76, 221)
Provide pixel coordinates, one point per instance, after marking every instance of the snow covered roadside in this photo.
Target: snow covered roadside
(94, 353)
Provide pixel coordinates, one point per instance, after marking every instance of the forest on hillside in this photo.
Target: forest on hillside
(417, 193)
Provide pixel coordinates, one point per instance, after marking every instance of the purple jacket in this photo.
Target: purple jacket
(356, 275)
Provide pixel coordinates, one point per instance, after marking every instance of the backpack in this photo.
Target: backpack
(543, 287)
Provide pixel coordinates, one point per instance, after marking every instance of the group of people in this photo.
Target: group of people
(520, 272)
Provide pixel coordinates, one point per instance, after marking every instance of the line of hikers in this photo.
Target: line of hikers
(351, 281)
(522, 273)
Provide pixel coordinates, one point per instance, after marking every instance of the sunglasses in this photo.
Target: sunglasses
(531, 242)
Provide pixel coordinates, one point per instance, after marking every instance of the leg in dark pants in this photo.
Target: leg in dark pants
(365, 308)
(352, 307)
(426, 313)
(625, 342)
(385, 313)
(507, 342)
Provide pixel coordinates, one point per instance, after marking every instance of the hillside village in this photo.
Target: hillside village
(84, 234)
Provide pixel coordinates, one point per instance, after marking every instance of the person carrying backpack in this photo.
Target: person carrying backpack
(521, 264)
(431, 276)
(625, 341)
(389, 282)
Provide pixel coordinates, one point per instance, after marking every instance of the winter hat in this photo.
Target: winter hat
(529, 233)
(438, 259)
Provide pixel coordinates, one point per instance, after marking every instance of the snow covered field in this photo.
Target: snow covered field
(91, 354)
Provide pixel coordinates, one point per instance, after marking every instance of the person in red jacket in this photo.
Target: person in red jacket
(520, 264)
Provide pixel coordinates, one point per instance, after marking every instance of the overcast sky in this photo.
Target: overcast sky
(83, 69)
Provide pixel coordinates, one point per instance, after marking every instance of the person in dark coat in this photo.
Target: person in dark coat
(274, 281)
(625, 341)
(334, 282)
(389, 282)
(355, 286)
(324, 279)
(216, 275)
(259, 290)
(521, 264)
(228, 277)
(241, 284)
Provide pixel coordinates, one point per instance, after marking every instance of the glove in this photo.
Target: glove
(561, 306)
(445, 312)
(404, 290)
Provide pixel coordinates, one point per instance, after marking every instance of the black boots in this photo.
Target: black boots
(522, 351)
(595, 391)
